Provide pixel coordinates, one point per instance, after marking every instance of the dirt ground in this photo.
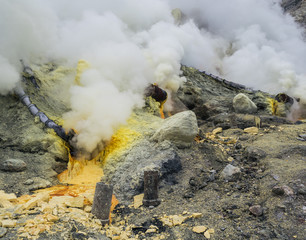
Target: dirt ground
(198, 195)
(224, 205)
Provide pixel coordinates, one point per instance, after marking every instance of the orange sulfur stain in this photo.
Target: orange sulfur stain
(81, 172)
(83, 175)
(161, 109)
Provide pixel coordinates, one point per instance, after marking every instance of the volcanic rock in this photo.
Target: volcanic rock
(301, 189)
(251, 130)
(208, 95)
(256, 210)
(3, 231)
(28, 181)
(199, 229)
(255, 154)
(236, 120)
(288, 190)
(39, 183)
(297, 8)
(230, 172)
(243, 104)
(41, 197)
(180, 129)
(9, 223)
(143, 156)
(277, 190)
(13, 165)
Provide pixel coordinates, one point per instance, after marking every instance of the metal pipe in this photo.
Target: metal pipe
(25, 99)
(43, 118)
(151, 179)
(33, 109)
(102, 202)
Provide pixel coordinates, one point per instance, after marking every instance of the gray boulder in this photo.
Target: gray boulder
(242, 104)
(3, 231)
(230, 172)
(179, 129)
(13, 165)
(127, 174)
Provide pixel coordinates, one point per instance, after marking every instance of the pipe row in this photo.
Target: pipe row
(226, 82)
(25, 99)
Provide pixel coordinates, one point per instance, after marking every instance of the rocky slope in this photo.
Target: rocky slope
(240, 176)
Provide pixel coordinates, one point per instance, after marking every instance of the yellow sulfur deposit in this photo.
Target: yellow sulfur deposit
(277, 108)
(82, 66)
(120, 141)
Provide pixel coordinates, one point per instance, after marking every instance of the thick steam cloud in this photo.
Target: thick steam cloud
(132, 43)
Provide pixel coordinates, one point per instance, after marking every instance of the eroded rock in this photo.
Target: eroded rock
(256, 210)
(3, 231)
(230, 172)
(243, 104)
(13, 165)
(180, 129)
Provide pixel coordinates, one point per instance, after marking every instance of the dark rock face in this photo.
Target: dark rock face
(208, 95)
(291, 4)
(13, 165)
(297, 9)
(277, 190)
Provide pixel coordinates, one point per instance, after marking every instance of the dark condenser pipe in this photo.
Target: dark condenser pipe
(42, 117)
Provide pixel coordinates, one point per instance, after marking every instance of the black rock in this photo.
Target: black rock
(277, 190)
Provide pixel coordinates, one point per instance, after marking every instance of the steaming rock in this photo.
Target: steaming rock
(242, 104)
(13, 165)
(180, 129)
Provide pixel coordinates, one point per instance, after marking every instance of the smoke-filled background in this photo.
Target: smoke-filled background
(131, 43)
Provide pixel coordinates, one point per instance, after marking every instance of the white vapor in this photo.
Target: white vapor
(260, 47)
(132, 43)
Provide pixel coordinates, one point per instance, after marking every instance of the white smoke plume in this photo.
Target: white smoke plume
(131, 43)
(259, 46)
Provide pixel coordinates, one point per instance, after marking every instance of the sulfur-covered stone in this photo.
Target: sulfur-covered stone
(199, 229)
(40, 197)
(8, 223)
